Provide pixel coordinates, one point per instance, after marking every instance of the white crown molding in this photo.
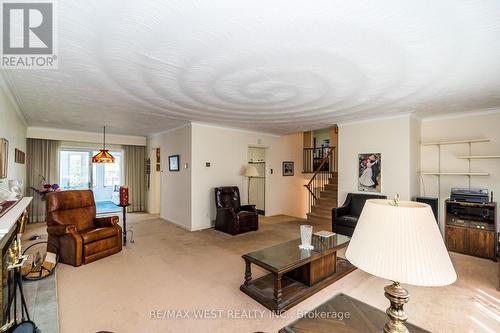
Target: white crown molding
(377, 118)
(170, 130)
(234, 129)
(210, 125)
(462, 114)
(7, 86)
(82, 136)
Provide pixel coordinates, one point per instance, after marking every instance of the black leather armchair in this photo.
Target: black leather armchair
(345, 218)
(232, 217)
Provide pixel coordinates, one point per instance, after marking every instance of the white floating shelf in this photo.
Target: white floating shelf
(455, 173)
(478, 157)
(454, 142)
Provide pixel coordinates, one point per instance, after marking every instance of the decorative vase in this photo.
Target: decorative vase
(306, 232)
(15, 187)
(124, 196)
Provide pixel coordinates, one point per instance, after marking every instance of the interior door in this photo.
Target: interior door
(75, 170)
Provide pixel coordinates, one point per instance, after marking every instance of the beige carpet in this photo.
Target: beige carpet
(169, 268)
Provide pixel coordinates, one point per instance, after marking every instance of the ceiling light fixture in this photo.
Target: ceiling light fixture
(103, 156)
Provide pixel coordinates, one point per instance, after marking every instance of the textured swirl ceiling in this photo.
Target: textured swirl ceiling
(278, 66)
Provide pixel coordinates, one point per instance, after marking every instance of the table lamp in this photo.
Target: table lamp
(401, 242)
(250, 171)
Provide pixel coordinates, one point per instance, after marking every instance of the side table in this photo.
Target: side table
(124, 209)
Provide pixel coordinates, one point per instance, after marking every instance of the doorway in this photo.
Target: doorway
(77, 172)
(257, 185)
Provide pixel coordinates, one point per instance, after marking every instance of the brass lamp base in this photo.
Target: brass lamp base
(398, 296)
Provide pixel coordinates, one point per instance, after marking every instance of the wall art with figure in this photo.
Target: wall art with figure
(370, 176)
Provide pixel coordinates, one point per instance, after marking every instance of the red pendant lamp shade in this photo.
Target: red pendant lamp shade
(103, 156)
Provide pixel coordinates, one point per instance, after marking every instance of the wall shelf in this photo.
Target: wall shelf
(454, 173)
(469, 157)
(442, 143)
(478, 157)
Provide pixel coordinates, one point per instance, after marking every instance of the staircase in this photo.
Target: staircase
(321, 208)
(323, 190)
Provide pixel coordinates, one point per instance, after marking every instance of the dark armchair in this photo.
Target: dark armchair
(345, 218)
(232, 217)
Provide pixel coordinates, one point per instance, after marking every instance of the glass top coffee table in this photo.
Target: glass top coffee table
(295, 274)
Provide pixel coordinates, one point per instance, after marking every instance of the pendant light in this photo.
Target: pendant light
(103, 156)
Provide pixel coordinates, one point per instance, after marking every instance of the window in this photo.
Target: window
(74, 170)
(78, 172)
(112, 171)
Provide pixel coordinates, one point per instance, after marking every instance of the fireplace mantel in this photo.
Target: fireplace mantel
(8, 233)
(10, 218)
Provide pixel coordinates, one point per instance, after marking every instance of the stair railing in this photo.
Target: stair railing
(312, 157)
(321, 177)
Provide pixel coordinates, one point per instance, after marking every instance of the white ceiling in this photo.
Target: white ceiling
(278, 66)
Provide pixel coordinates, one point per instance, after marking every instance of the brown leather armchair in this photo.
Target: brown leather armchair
(232, 217)
(80, 236)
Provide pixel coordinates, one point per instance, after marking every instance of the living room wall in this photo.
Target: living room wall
(397, 139)
(173, 187)
(187, 196)
(226, 150)
(483, 125)
(12, 128)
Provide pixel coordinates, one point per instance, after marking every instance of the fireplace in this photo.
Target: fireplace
(6, 276)
(9, 228)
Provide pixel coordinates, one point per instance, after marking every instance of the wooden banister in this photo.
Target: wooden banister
(323, 161)
(320, 177)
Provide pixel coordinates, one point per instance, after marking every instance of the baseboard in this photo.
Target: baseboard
(176, 223)
(204, 227)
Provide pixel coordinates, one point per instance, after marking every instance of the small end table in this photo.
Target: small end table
(124, 209)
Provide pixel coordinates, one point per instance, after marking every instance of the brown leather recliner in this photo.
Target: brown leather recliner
(232, 217)
(80, 236)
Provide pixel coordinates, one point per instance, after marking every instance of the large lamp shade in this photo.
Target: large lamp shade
(401, 242)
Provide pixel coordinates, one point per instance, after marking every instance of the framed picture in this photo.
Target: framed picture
(173, 163)
(19, 156)
(370, 172)
(158, 155)
(288, 168)
(4, 157)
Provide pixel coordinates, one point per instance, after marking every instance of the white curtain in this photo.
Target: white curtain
(42, 160)
(135, 177)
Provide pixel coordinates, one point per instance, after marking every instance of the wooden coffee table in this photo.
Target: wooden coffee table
(295, 274)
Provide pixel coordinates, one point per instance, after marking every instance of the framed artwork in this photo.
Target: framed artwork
(173, 163)
(158, 155)
(158, 165)
(370, 172)
(4, 157)
(19, 156)
(288, 168)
